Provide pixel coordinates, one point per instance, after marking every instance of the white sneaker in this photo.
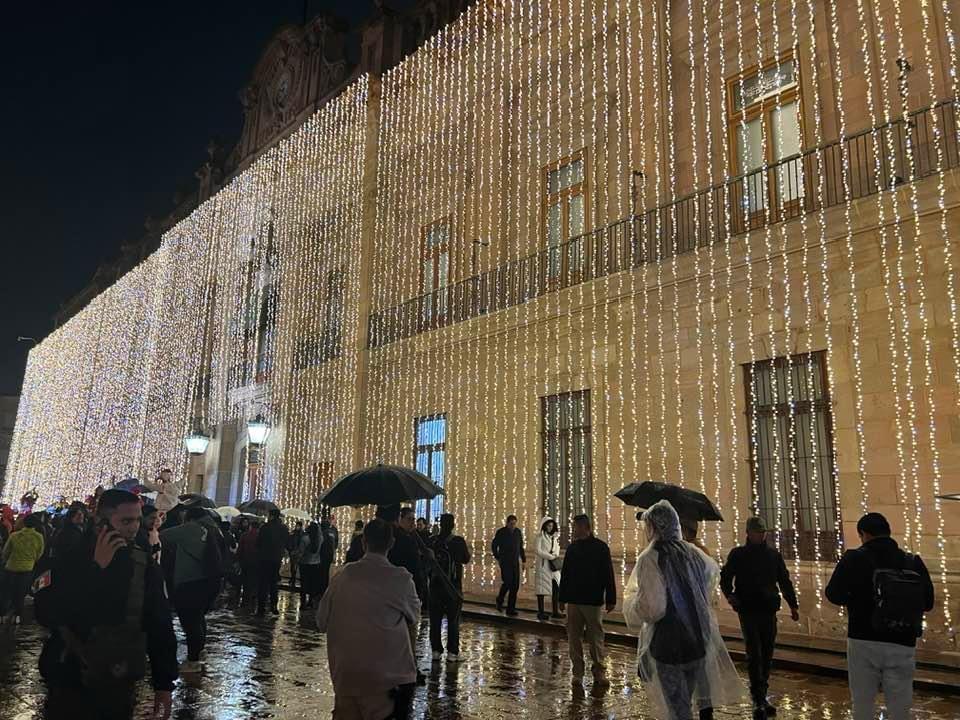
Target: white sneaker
(437, 655)
(16, 620)
(453, 658)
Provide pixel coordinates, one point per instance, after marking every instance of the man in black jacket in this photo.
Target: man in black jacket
(450, 553)
(587, 585)
(877, 657)
(271, 545)
(750, 580)
(508, 550)
(95, 610)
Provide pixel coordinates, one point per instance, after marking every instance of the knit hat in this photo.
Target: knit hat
(756, 524)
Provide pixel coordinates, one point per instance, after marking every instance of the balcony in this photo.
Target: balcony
(770, 195)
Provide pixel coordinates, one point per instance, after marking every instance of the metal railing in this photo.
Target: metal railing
(850, 169)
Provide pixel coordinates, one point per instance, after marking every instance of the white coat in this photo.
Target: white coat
(547, 549)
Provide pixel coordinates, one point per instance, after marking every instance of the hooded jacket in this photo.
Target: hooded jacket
(547, 548)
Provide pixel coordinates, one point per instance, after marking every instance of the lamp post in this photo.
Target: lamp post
(258, 430)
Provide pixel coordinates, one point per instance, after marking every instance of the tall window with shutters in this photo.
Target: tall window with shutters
(792, 454)
(565, 212)
(435, 270)
(567, 455)
(765, 127)
(430, 456)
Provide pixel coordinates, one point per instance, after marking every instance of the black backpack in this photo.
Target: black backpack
(899, 599)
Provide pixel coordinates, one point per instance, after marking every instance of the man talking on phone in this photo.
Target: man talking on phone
(106, 607)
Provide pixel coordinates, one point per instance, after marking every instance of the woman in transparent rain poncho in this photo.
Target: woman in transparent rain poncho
(682, 661)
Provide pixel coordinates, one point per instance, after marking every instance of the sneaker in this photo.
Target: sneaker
(770, 710)
(16, 620)
(453, 658)
(437, 656)
(499, 607)
(542, 617)
(512, 613)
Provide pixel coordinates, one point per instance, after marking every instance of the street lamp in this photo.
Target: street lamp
(197, 441)
(258, 430)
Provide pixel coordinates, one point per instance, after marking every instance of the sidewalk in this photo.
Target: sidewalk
(790, 653)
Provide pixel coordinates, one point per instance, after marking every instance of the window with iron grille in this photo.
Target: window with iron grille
(567, 452)
(792, 454)
(430, 455)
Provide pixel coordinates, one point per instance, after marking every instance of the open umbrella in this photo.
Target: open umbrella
(296, 514)
(257, 507)
(195, 499)
(380, 485)
(227, 512)
(949, 496)
(688, 503)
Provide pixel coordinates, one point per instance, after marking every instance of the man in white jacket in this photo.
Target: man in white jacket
(364, 614)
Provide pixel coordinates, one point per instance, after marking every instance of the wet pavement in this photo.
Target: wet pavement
(276, 668)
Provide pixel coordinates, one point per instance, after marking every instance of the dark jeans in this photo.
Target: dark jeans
(268, 577)
(294, 565)
(449, 607)
(679, 683)
(759, 635)
(323, 578)
(192, 601)
(15, 586)
(309, 583)
(510, 575)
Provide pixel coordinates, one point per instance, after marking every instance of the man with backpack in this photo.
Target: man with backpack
(752, 580)
(886, 592)
(195, 559)
(450, 554)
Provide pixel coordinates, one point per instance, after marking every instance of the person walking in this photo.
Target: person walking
(19, 557)
(271, 545)
(587, 585)
(150, 527)
(682, 660)
(450, 554)
(752, 580)
(507, 548)
(310, 560)
(405, 553)
(328, 546)
(248, 532)
(107, 610)
(293, 552)
(547, 570)
(365, 614)
(886, 592)
(355, 551)
(193, 563)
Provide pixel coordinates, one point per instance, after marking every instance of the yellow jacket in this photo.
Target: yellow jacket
(23, 549)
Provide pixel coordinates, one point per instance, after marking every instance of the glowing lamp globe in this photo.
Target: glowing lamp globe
(196, 443)
(258, 430)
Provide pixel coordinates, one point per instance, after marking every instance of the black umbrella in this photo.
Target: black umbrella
(257, 507)
(197, 500)
(688, 503)
(380, 485)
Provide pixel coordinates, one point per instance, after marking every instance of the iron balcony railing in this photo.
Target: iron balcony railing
(850, 168)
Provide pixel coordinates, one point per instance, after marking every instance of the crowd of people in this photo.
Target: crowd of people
(108, 575)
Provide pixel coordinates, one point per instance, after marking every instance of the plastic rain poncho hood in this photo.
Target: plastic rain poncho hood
(667, 602)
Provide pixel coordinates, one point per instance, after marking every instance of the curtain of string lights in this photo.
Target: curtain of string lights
(602, 241)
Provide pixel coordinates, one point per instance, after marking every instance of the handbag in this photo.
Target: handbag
(554, 565)
(117, 654)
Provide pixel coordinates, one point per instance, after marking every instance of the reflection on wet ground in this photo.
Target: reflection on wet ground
(277, 668)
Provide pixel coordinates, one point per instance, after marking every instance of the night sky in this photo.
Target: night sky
(107, 109)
